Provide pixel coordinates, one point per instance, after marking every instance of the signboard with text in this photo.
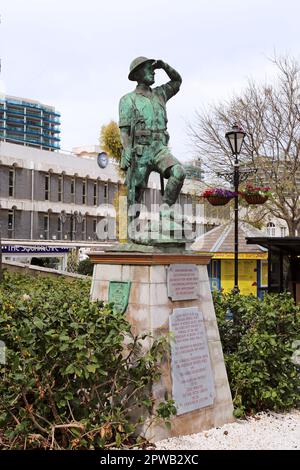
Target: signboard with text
(183, 281)
(192, 377)
(24, 249)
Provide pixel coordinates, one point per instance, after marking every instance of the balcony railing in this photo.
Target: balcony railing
(31, 132)
(14, 121)
(13, 111)
(34, 116)
(55, 120)
(19, 130)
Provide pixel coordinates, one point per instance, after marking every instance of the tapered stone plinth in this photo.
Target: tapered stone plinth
(149, 310)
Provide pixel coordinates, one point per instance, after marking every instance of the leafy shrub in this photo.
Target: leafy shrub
(68, 382)
(85, 267)
(258, 350)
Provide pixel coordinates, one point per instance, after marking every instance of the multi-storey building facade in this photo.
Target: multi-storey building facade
(53, 196)
(29, 123)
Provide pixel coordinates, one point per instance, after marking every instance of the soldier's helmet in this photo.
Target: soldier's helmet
(135, 64)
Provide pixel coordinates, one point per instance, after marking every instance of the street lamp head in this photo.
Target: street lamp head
(63, 217)
(235, 138)
(79, 217)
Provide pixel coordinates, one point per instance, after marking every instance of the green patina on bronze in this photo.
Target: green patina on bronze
(118, 294)
(143, 126)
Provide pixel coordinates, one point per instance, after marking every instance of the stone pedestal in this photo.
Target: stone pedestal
(149, 310)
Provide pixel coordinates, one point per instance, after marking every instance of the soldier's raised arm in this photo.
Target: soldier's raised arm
(171, 87)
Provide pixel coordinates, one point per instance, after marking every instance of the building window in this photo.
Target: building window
(46, 226)
(59, 227)
(73, 190)
(11, 182)
(60, 188)
(83, 191)
(283, 231)
(73, 227)
(83, 229)
(11, 223)
(94, 225)
(47, 187)
(95, 194)
(105, 191)
(271, 229)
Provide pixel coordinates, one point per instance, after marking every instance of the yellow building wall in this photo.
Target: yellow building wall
(247, 276)
(264, 273)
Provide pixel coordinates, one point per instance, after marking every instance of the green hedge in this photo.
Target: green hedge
(85, 267)
(259, 346)
(68, 382)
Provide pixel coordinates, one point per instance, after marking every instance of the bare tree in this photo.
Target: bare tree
(270, 115)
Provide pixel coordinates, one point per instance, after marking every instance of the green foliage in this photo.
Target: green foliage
(258, 349)
(85, 267)
(69, 380)
(110, 140)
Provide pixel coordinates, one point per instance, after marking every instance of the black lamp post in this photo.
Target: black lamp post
(235, 138)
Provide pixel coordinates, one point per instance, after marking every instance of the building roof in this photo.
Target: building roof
(24, 101)
(289, 245)
(57, 162)
(221, 239)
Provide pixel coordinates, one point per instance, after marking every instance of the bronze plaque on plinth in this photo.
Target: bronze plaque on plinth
(118, 294)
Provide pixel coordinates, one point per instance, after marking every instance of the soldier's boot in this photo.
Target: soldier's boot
(174, 185)
(171, 221)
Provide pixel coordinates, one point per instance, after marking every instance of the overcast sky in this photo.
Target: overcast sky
(75, 54)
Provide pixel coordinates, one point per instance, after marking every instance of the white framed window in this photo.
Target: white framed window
(283, 231)
(271, 229)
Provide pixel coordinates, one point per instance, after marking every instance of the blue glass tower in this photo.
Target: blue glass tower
(30, 123)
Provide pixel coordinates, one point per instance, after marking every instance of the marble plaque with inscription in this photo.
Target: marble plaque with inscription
(183, 281)
(118, 294)
(192, 377)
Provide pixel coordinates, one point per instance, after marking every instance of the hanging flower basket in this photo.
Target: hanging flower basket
(218, 200)
(255, 198)
(255, 195)
(218, 196)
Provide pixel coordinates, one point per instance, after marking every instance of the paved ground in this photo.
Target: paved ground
(263, 431)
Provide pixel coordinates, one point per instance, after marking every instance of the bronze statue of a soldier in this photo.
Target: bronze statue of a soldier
(143, 126)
